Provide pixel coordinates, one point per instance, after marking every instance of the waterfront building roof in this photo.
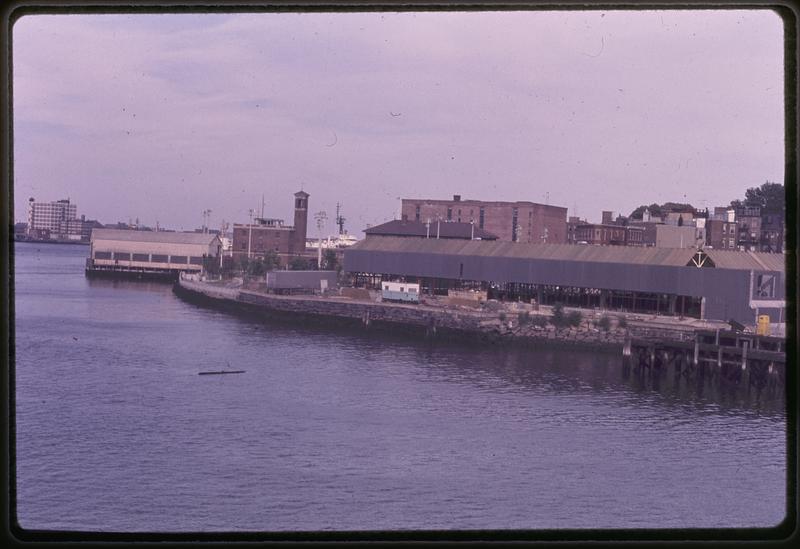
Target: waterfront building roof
(167, 237)
(448, 230)
(675, 257)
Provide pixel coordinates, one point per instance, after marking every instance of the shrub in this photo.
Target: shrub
(502, 316)
(559, 318)
(604, 323)
(622, 322)
(524, 318)
(574, 318)
(539, 320)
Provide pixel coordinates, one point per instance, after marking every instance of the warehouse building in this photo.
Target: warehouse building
(149, 254)
(713, 284)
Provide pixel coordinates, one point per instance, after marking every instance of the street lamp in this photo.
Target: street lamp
(249, 232)
(320, 216)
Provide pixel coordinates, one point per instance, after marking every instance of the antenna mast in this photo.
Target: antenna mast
(339, 219)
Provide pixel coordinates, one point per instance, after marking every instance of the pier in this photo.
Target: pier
(730, 355)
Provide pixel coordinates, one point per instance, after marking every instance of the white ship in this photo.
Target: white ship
(333, 241)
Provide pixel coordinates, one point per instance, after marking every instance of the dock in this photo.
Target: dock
(738, 357)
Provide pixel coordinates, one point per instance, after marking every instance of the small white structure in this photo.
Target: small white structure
(400, 291)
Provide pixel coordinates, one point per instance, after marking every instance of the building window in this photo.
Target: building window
(141, 257)
(481, 217)
(514, 224)
(102, 255)
(449, 214)
(158, 258)
(181, 259)
(125, 256)
(194, 260)
(416, 213)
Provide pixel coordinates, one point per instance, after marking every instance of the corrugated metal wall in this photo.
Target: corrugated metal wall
(727, 291)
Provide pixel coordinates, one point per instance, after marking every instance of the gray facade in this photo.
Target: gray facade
(726, 287)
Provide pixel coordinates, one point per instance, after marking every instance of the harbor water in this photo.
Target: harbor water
(328, 429)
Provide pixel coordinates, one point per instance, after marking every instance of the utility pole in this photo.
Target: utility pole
(249, 232)
(320, 216)
(339, 219)
(221, 236)
(428, 228)
(472, 229)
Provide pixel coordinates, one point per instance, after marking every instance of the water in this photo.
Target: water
(333, 430)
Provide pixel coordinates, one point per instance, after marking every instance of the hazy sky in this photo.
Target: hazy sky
(163, 116)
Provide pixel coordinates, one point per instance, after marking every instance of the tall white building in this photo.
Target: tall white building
(50, 215)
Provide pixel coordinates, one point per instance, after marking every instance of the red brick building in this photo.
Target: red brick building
(255, 239)
(721, 234)
(510, 221)
(601, 234)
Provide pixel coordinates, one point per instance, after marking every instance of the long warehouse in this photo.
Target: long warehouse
(709, 284)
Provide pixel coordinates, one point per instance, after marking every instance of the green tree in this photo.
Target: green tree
(329, 260)
(256, 267)
(638, 213)
(271, 261)
(770, 197)
(298, 264)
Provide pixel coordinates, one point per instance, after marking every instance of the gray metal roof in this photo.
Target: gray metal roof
(153, 236)
(450, 229)
(674, 257)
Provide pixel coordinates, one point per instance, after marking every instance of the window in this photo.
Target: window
(514, 224)
(402, 289)
(102, 255)
(480, 218)
(178, 259)
(449, 214)
(416, 213)
(194, 260)
(159, 258)
(141, 257)
(124, 256)
(412, 290)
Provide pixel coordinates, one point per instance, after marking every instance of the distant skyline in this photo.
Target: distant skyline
(160, 117)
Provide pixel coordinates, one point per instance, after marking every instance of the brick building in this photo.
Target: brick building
(510, 221)
(264, 234)
(604, 234)
(748, 221)
(773, 232)
(721, 234)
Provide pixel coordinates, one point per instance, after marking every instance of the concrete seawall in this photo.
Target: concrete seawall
(438, 322)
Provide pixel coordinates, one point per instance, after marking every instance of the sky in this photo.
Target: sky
(160, 117)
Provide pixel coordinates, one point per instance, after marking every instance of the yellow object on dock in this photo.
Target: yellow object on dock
(762, 328)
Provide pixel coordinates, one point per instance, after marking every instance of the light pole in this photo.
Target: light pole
(320, 216)
(249, 233)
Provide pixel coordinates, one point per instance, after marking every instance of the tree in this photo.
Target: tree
(638, 213)
(271, 261)
(298, 264)
(329, 261)
(770, 197)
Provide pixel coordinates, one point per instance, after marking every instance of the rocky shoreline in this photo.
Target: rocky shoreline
(440, 322)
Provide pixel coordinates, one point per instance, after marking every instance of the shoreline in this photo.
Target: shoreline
(428, 322)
